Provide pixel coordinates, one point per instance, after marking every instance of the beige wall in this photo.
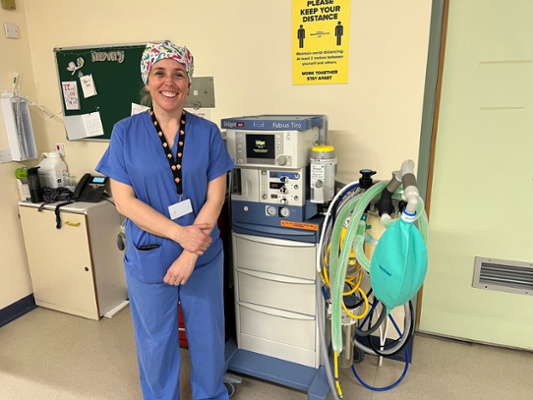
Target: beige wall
(374, 120)
(15, 56)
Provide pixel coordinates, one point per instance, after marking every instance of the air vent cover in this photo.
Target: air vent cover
(504, 275)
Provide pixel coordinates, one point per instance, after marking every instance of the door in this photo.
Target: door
(482, 182)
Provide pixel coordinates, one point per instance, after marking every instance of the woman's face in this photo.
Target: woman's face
(168, 85)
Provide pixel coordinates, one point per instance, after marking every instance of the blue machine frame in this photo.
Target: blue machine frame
(272, 153)
(311, 380)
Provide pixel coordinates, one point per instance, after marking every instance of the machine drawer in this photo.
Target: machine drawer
(283, 257)
(277, 291)
(284, 327)
(278, 350)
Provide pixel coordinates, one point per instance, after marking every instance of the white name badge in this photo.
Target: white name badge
(180, 209)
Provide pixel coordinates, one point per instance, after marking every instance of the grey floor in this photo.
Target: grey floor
(47, 355)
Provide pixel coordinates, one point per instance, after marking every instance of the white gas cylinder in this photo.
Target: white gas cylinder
(52, 170)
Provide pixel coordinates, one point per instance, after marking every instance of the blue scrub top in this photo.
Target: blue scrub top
(136, 158)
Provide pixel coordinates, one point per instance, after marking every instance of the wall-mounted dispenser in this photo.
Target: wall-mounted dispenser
(18, 128)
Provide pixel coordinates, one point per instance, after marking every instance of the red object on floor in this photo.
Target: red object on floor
(181, 329)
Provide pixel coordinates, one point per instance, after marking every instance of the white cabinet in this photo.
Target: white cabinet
(77, 268)
(276, 298)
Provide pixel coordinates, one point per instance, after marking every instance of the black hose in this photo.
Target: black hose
(371, 329)
(395, 341)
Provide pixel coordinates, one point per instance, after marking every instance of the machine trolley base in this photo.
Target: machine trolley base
(313, 381)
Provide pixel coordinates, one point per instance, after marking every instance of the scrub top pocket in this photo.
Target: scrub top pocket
(152, 264)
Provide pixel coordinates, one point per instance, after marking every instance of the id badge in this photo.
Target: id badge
(180, 209)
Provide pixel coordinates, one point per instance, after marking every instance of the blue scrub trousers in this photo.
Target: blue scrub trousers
(154, 308)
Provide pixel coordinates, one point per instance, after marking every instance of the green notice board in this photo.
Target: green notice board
(98, 83)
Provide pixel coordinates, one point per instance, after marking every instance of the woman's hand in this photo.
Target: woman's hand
(195, 238)
(181, 269)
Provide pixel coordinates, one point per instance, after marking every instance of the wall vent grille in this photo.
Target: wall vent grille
(504, 275)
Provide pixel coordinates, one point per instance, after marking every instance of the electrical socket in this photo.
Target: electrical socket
(5, 156)
(61, 148)
(11, 31)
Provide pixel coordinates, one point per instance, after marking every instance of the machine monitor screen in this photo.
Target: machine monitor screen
(260, 146)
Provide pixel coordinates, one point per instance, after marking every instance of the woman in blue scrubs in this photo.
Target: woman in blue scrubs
(168, 171)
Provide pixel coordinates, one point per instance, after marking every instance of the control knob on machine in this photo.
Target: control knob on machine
(271, 210)
(284, 212)
(282, 160)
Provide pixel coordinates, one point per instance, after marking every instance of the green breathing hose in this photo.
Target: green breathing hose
(354, 239)
(338, 264)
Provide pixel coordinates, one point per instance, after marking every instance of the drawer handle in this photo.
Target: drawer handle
(277, 312)
(72, 223)
(276, 278)
(275, 242)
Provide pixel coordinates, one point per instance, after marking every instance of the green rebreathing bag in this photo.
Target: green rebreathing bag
(399, 264)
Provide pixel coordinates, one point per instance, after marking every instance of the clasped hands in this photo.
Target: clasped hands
(195, 239)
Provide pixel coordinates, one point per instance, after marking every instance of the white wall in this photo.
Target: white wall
(374, 120)
(483, 187)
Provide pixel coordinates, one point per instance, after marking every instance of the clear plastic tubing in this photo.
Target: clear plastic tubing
(338, 264)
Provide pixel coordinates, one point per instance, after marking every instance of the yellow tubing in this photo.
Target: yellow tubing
(363, 314)
(336, 373)
(322, 278)
(355, 285)
(326, 278)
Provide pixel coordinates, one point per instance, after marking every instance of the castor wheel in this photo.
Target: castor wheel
(358, 355)
(231, 387)
(231, 381)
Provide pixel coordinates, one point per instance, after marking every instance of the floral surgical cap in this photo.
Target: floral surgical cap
(157, 51)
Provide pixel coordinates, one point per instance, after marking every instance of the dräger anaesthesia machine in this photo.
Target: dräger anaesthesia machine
(276, 192)
(272, 157)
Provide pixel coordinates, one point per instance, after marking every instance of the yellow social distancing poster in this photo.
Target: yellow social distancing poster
(320, 41)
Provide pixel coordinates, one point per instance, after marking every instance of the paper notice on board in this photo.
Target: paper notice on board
(84, 126)
(87, 86)
(137, 108)
(71, 96)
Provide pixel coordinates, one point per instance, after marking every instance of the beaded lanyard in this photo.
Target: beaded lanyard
(175, 163)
